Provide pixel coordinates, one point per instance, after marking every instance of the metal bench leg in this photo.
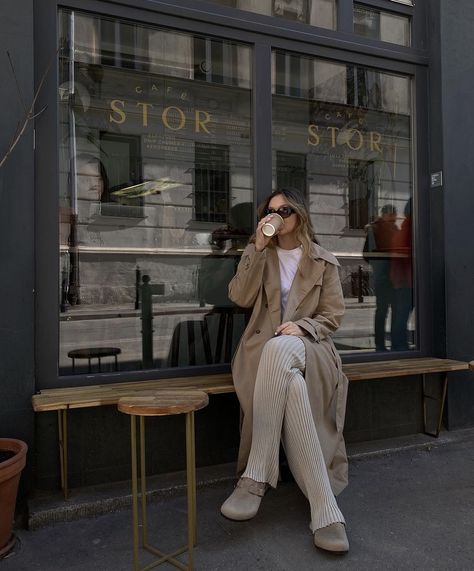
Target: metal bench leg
(62, 432)
(443, 401)
(441, 408)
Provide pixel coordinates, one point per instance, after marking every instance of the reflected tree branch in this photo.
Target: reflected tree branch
(29, 112)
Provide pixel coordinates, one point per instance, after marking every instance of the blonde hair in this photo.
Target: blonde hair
(304, 231)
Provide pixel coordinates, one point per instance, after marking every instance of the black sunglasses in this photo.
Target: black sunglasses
(283, 211)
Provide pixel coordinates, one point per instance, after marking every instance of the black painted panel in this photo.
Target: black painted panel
(16, 226)
(457, 68)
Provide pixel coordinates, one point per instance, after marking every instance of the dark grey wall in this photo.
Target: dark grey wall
(17, 233)
(99, 438)
(16, 227)
(457, 90)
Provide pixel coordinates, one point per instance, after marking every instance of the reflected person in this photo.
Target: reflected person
(215, 273)
(401, 276)
(378, 252)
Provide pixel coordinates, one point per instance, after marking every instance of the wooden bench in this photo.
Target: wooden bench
(64, 399)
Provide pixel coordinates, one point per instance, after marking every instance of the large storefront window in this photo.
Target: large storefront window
(156, 194)
(342, 134)
(321, 13)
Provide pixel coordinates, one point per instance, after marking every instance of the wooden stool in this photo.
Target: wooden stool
(163, 403)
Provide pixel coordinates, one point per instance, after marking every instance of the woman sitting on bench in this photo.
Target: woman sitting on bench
(287, 373)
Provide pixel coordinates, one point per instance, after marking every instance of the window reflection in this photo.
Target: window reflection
(156, 194)
(342, 133)
(380, 25)
(321, 13)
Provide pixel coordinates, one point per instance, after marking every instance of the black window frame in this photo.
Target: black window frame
(263, 34)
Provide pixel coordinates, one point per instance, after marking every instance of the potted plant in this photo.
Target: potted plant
(12, 462)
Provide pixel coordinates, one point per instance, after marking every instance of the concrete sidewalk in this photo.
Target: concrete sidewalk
(409, 508)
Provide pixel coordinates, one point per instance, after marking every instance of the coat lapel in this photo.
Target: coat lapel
(271, 283)
(309, 273)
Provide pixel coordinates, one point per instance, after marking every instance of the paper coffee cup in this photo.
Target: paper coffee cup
(271, 227)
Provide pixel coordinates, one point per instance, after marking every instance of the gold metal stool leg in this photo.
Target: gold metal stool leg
(133, 443)
(191, 470)
(191, 499)
(191, 486)
(143, 483)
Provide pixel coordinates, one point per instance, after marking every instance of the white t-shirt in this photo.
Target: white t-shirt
(289, 260)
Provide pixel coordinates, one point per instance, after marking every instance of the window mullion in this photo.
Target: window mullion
(345, 18)
(262, 119)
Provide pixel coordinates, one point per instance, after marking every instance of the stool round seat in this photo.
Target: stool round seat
(164, 402)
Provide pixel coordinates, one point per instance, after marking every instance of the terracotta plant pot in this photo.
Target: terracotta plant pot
(10, 472)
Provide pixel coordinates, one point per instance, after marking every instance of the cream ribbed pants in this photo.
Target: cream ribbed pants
(281, 410)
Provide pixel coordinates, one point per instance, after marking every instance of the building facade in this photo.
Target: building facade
(159, 127)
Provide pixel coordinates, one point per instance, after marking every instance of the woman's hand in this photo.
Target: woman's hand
(262, 241)
(290, 328)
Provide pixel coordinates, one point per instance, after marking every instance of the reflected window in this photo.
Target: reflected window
(321, 13)
(380, 25)
(156, 194)
(122, 175)
(211, 185)
(346, 130)
(291, 170)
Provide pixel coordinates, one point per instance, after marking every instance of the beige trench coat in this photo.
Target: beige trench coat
(316, 304)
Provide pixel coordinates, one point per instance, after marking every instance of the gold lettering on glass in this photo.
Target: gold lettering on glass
(114, 105)
(313, 137)
(144, 112)
(201, 123)
(182, 118)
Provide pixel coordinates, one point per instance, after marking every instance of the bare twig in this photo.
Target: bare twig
(30, 114)
(20, 94)
(40, 112)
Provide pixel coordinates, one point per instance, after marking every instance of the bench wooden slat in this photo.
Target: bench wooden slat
(214, 379)
(401, 368)
(102, 395)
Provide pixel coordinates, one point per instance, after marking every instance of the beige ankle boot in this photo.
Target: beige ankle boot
(332, 538)
(244, 501)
